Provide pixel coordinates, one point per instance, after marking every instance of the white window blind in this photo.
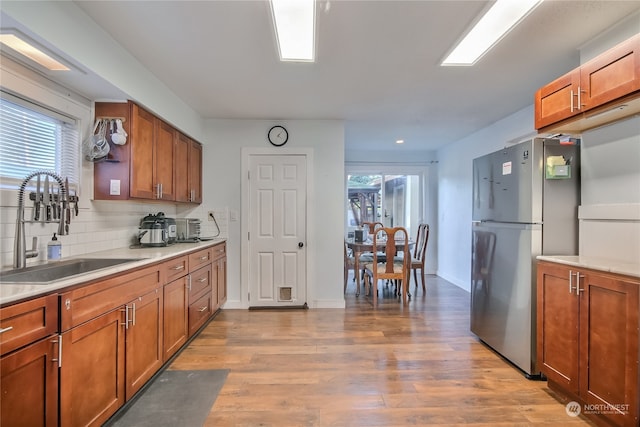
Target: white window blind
(34, 138)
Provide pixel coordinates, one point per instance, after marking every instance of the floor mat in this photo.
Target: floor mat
(175, 398)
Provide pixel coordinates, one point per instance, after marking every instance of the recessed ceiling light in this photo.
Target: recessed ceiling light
(495, 24)
(27, 49)
(294, 22)
(400, 141)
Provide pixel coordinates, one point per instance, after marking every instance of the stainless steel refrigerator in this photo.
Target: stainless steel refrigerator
(525, 204)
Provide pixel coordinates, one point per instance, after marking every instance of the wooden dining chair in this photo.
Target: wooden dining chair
(391, 268)
(367, 257)
(420, 253)
(349, 264)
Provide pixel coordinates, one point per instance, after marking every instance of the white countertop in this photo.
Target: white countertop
(144, 256)
(594, 263)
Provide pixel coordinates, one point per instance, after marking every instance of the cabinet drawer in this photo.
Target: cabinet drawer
(199, 312)
(175, 267)
(218, 251)
(90, 301)
(200, 258)
(27, 322)
(200, 283)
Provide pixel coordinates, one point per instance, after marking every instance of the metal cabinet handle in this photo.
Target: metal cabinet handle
(7, 329)
(572, 108)
(578, 277)
(204, 279)
(133, 314)
(178, 267)
(58, 341)
(126, 317)
(202, 258)
(203, 308)
(570, 281)
(189, 285)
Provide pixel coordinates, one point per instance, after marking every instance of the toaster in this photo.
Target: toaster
(187, 229)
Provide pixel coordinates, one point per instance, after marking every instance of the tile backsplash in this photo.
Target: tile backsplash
(100, 225)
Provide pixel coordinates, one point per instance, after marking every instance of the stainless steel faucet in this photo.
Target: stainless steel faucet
(20, 253)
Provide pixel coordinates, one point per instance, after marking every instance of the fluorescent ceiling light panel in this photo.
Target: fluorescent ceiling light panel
(31, 52)
(294, 21)
(495, 24)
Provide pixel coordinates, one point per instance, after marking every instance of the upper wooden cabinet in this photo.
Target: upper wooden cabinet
(188, 166)
(154, 164)
(574, 102)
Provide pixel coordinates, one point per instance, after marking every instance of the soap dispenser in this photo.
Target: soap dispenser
(54, 248)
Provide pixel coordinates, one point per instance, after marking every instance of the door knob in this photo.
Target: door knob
(300, 244)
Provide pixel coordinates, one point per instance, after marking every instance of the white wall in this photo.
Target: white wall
(223, 189)
(455, 164)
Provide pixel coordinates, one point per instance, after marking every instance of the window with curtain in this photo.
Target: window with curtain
(35, 138)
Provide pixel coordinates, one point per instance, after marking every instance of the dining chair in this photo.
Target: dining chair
(367, 257)
(419, 254)
(349, 264)
(391, 268)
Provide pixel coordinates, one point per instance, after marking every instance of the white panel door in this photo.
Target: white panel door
(277, 230)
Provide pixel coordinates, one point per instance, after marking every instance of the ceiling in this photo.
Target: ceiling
(377, 62)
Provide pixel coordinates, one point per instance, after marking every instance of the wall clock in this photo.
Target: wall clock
(278, 136)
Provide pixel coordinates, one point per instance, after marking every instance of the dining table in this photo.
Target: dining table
(366, 246)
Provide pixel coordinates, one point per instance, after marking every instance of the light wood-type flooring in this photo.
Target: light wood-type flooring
(392, 366)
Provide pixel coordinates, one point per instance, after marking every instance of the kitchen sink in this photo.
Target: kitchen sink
(47, 273)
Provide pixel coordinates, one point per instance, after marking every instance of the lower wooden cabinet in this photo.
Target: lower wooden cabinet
(29, 357)
(588, 339)
(116, 334)
(29, 385)
(176, 320)
(92, 385)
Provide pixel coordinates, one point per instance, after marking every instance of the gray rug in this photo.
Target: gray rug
(175, 398)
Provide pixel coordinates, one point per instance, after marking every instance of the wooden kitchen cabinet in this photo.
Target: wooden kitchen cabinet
(152, 152)
(29, 349)
(219, 273)
(157, 162)
(587, 344)
(188, 170)
(176, 305)
(601, 82)
(202, 297)
(176, 320)
(118, 322)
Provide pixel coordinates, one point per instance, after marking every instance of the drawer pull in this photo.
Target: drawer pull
(178, 267)
(203, 308)
(59, 358)
(203, 257)
(7, 329)
(204, 279)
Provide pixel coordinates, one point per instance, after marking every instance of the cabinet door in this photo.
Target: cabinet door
(557, 326)
(195, 172)
(183, 145)
(144, 355)
(609, 346)
(199, 312)
(29, 385)
(558, 100)
(612, 75)
(175, 311)
(142, 154)
(92, 373)
(221, 273)
(164, 158)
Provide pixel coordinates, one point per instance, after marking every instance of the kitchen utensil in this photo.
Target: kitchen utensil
(120, 136)
(36, 207)
(45, 199)
(96, 147)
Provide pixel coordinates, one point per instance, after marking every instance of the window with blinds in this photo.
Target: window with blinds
(34, 138)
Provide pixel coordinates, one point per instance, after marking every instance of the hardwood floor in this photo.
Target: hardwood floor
(392, 366)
